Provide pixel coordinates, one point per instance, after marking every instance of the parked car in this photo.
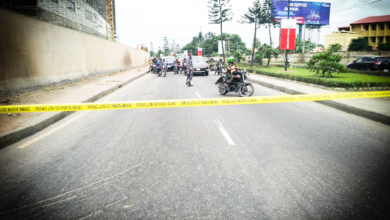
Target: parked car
(370, 63)
(200, 65)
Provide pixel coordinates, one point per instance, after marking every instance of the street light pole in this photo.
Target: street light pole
(285, 52)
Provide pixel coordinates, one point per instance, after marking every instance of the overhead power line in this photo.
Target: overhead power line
(357, 5)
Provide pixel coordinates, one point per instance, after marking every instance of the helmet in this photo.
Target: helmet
(230, 59)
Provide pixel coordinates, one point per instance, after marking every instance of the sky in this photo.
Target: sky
(143, 22)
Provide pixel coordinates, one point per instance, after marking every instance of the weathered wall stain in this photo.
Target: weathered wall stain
(35, 53)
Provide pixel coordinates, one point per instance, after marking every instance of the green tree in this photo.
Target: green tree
(323, 64)
(239, 56)
(335, 47)
(276, 53)
(384, 46)
(269, 18)
(158, 54)
(146, 49)
(309, 46)
(220, 11)
(359, 44)
(255, 15)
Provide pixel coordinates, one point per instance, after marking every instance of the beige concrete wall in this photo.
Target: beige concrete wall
(348, 57)
(34, 53)
(342, 38)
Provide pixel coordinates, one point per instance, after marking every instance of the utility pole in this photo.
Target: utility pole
(318, 40)
(285, 52)
(304, 34)
(228, 45)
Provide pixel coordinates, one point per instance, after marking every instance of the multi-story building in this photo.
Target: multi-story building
(88, 16)
(376, 29)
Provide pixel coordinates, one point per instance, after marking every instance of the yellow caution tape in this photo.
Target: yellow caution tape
(189, 102)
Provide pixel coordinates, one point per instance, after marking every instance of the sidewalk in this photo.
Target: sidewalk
(376, 109)
(15, 127)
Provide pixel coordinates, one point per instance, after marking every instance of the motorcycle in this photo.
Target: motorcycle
(183, 69)
(157, 70)
(151, 68)
(244, 89)
(220, 69)
(164, 70)
(176, 68)
(212, 67)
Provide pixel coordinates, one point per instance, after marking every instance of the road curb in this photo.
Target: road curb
(378, 117)
(15, 136)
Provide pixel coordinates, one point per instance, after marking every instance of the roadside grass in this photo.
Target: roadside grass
(341, 80)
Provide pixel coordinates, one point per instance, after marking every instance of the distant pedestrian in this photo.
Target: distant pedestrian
(190, 68)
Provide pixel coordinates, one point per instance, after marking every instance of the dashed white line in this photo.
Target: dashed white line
(199, 96)
(224, 132)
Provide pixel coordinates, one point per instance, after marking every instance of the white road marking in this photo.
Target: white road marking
(52, 131)
(70, 121)
(224, 132)
(199, 96)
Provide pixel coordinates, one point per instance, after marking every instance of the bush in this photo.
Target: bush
(325, 82)
(384, 46)
(323, 64)
(359, 44)
(249, 70)
(371, 73)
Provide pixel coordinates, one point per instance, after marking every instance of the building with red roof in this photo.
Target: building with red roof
(376, 29)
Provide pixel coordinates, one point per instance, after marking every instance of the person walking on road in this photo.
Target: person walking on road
(190, 68)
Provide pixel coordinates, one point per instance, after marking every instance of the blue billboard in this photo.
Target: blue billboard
(315, 13)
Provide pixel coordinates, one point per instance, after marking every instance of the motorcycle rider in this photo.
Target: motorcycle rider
(159, 64)
(190, 68)
(219, 66)
(177, 62)
(184, 64)
(230, 70)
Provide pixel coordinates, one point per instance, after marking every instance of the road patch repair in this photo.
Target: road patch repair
(189, 102)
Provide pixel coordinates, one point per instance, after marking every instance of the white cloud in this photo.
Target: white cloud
(143, 22)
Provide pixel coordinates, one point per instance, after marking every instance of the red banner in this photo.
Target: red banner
(200, 52)
(287, 39)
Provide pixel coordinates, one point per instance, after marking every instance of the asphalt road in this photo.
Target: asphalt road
(267, 161)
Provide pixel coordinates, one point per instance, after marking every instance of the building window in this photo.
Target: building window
(373, 39)
(382, 26)
(366, 27)
(70, 5)
(380, 39)
(366, 38)
(88, 14)
(373, 27)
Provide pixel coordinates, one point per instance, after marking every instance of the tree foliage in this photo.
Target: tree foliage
(323, 64)
(210, 44)
(359, 44)
(384, 46)
(220, 11)
(309, 46)
(269, 18)
(335, 47)
(256, 15)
